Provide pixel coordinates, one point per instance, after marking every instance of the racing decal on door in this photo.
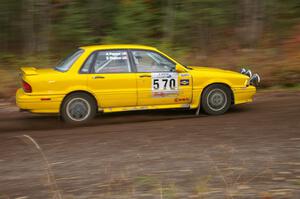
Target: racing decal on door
(164, 84)
(184, 82)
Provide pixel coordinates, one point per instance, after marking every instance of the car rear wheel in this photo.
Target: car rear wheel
(78, 108)
(216, 99)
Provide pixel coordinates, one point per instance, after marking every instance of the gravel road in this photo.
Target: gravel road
(251, 152)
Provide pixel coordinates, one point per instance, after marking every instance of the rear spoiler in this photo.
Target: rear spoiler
(28, 70)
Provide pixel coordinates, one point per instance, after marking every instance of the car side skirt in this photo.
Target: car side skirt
(136, 108)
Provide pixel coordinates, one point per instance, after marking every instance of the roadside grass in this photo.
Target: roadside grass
(292, 87)
(8, 84)
(277, 70)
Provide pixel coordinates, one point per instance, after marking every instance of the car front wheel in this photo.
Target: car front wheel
(78, 108)
(216, 99)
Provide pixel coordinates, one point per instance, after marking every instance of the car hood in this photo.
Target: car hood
(214, 70)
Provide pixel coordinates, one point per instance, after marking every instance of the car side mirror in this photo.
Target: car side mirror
(180, 69)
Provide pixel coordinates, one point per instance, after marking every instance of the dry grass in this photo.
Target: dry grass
(53, 187)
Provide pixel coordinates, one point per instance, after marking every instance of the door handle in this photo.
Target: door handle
(98, 77)
(142, 76)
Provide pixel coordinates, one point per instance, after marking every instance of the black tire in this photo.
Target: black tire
(216, 99)
(78, 108)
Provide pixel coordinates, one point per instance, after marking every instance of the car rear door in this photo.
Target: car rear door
(111, 79)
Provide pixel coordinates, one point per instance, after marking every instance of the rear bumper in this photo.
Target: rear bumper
(38, 103)
(243, 95)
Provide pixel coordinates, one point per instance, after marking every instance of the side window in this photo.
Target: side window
(148, 61)
(88, 63)
(115, 61)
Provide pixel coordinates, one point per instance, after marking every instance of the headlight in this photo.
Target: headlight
(249, 73)
(243, 71)
(246, 72)
(255, 80)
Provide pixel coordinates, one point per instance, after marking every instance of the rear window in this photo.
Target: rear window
(66, 63)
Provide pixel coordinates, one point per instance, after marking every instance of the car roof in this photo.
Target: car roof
(117, 46)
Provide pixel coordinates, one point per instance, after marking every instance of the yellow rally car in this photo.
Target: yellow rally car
(113, 78)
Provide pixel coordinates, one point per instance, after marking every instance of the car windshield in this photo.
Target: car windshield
(66, 63)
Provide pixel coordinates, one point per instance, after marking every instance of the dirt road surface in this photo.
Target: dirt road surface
(251, 152)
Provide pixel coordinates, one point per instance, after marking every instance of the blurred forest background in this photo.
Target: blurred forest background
(263, 35)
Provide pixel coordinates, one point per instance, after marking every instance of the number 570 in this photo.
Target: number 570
(165, 83)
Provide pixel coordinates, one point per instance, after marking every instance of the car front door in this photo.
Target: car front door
(110, 78)
(158, 83)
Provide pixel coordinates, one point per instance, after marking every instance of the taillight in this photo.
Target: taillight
(26, 87)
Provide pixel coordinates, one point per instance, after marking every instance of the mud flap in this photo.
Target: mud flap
(198, 110)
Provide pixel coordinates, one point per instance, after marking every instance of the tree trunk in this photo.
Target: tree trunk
(29, 36)
(44, 24)
(251, 24)
(169, 19)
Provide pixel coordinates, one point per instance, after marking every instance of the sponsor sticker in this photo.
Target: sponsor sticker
(116, 56)
(182, 99)
(184, 82)
(184, 75)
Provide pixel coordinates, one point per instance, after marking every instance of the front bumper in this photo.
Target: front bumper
(38, 103)
(244, 94)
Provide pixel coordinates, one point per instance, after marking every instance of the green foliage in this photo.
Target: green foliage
(9, 32)
(71, 26)
(132, 24)
(203, 26)
(282, 15)
(200, 20)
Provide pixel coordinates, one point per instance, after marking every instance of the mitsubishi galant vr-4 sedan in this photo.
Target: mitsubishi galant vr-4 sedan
(113, 78)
